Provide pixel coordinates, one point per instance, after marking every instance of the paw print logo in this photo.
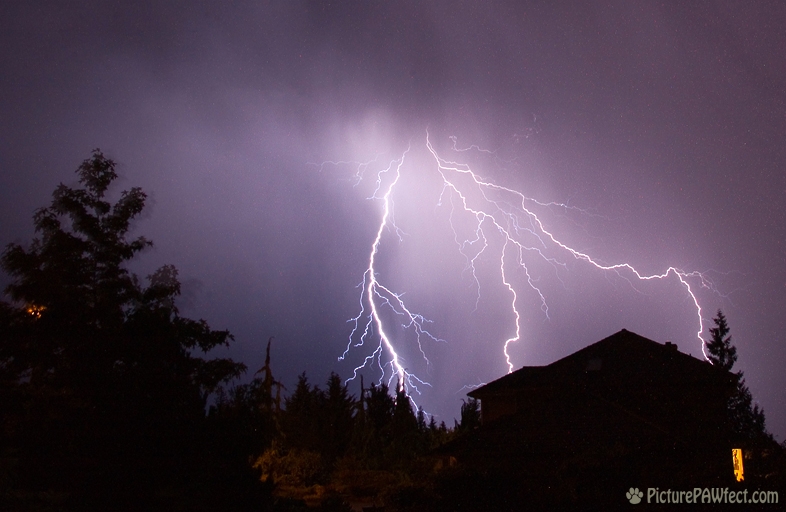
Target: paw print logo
(634, 495)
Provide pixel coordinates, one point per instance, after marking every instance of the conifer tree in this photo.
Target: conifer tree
(746, 418)
(722, 352)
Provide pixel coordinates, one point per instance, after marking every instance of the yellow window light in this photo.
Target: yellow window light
(736, 458)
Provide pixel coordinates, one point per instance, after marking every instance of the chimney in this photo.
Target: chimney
(671, 346)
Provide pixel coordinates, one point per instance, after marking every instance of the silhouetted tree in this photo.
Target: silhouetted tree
(245, 416)
(372, 415)
(380, 410)
(470, 415)
(405, 437)
(422, 426)
(722, 352)
(432, 425)
(747, 418)
(300, 421)
(319, 421)
(337, 419)
(404, 420)
(106, 395)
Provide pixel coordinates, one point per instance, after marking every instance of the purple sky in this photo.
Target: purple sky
(665, 124)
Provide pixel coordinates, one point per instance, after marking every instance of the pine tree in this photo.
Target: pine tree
(404, 420)
(300, 418)
(746, 418)
(722, 352)
(422, 426)
(337, 418)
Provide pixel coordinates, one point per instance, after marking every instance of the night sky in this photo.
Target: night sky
(659, 127)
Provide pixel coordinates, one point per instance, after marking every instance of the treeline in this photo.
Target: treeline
(108, 400)
(105, 388)
(323, 444)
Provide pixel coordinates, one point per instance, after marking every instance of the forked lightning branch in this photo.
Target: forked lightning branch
(504, 226)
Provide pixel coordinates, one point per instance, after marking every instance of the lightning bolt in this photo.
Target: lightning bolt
(506, 211)
(498, 213)
(470, 387)
(375, 295)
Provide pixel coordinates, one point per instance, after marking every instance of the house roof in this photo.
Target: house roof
(623, 409)
(621, 353)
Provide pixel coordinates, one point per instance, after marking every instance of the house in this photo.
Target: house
(623, 412)
(656, 383)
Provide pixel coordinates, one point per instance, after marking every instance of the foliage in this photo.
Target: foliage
(245, 415)
(319, 421)
(104, 388)
(746, 418)
(99, 371)
(722, 352)
(333, 442)
(470, 415)
(291, 469)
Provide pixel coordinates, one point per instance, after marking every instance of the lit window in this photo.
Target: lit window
(736, 458)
